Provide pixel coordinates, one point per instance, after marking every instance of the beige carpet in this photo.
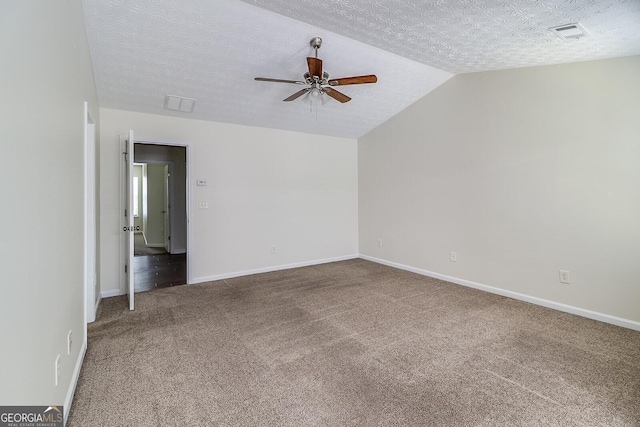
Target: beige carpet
(348, 344)
(140, 247)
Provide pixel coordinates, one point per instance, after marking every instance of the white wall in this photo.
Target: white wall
(45, 78)
(265, 187)
(522, 172)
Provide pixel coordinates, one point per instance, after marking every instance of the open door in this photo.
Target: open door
(129, 227)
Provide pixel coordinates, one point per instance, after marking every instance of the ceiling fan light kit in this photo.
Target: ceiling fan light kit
(317, 81)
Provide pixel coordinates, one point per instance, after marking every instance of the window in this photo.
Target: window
(135, 196)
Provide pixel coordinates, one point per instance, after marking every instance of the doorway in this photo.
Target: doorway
(92, 291)
(160, 216)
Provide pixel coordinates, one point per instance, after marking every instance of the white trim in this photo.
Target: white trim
(606, 318)
(187, 145)
(85, 293)
(112, 293)
(98, 301)
(90, 208)
(74, 381)
(272, 268)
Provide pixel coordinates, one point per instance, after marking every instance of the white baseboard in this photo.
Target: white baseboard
(74, 382)
(155, 245)
(606, 318)
(112, 293)
(151, 245)
(272, 268)
(178, 251)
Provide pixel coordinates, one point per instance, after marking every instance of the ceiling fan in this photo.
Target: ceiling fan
(318, 81)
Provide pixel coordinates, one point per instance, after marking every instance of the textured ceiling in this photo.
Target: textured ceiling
(212, 50)
(462, 36)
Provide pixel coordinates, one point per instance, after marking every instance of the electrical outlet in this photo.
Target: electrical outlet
(57, 370)
(454, 256)
(204, 205)
(380, 242)
(274, 249)
(69, 342)
(564, 276)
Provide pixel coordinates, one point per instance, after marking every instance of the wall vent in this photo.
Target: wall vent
(569, 31)
(179, 103)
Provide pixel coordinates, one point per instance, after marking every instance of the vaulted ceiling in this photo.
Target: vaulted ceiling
(211, 50)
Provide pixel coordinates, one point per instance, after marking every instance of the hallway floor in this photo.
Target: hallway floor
(159, 271)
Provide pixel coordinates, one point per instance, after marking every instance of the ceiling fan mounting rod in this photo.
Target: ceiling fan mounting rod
(315, 43)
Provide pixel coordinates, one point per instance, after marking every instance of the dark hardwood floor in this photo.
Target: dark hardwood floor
(154, 268)
(159, 271)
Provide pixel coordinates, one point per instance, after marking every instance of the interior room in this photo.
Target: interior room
(411, 213)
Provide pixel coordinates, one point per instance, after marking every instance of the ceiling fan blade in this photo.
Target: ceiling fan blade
(264, 79)
(356, 80)
(297, 95)
(338, 96)
(315, 67)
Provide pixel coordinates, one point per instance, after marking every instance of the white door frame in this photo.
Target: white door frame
(187, 145)
(169, 201)
(171, 189)
(129, 227)
(91, 294)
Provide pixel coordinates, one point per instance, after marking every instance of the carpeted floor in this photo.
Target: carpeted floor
(348, 344)
(140, 247)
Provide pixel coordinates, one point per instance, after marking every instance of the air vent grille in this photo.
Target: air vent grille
(179, 103)
(569, 31)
